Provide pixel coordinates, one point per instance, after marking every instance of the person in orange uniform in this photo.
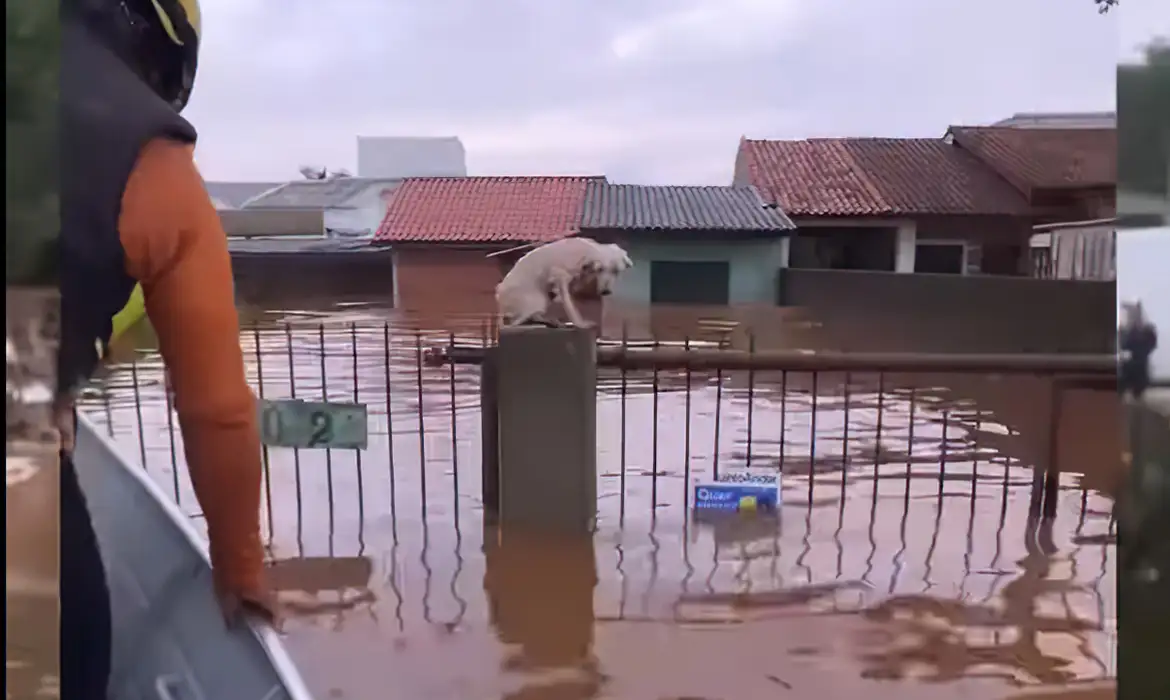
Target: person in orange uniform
(135, 212)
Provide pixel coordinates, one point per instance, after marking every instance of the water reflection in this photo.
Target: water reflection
(539, 592)
(902, 550)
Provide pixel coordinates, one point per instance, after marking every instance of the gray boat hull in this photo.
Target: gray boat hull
(170, 641)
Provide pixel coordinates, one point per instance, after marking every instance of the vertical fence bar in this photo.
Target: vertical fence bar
(845, 440)
(454, 435)
(171, 439)
(390, 428)
(138, 409)
(975, 454)
(357, 454)
(718, 420)
(877, 440)
(783, 415)
(751, 398)
(622, 429)
(108, 408)
(328, 451)
(422, 430)
(654, 445)
(292, 394)
(910, 438)
(812, 438)
(264, 456)
(1052, 468)
(942, 467)
(687, 433)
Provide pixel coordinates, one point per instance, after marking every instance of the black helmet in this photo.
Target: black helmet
(159, 39)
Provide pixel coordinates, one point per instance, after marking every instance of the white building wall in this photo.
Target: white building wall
(406, 156)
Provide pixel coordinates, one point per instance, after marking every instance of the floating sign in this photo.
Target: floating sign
(739, 493)
(313, 424)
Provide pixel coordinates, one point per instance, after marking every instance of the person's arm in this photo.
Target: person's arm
(176, 248)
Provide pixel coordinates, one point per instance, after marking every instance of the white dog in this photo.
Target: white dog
(554, 272)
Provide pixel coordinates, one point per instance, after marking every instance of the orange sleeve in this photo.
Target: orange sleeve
(176, 248)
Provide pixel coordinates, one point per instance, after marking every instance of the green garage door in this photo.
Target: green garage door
(689, 282)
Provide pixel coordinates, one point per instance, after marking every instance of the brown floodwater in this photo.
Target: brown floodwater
(30, 613)
(902, 562)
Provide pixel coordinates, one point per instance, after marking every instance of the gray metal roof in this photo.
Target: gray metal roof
(677, 207)
(279, 246)
(234, 194)
(318, 194)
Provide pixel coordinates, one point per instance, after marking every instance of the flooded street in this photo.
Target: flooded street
(902, 564)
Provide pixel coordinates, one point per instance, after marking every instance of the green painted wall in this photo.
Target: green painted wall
(754, 264)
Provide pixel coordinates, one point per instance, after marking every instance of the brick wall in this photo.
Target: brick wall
(446, 279)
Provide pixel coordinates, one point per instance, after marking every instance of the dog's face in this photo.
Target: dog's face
(609, 265)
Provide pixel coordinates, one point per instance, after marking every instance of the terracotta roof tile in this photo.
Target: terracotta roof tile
(1044, 158)
(875, 177)
(483, 209)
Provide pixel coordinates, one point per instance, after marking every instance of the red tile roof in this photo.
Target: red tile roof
(875, 177)
(483, 209)
(1044, 158)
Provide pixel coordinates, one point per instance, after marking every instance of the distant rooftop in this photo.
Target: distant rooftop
(317, 194)
(232, 195)
(1061, 120)
(679, 208)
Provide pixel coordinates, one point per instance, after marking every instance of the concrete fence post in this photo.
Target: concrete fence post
(546, 381)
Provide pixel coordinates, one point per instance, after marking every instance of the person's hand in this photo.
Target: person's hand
(237, 609)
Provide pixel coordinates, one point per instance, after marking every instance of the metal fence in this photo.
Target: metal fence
(669, 413)
(901, 475)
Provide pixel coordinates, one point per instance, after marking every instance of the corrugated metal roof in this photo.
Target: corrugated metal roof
(318, 194)
(234, 194)
(484, 209)
(678, 208)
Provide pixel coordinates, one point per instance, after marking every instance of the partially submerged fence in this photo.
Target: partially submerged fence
(666, 416)
(897, 471)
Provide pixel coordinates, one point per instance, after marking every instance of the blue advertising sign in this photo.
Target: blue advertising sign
(738, 494)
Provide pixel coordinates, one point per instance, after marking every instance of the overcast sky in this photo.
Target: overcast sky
(644, 91)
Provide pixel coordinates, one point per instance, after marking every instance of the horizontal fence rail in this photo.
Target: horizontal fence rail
(901, 475)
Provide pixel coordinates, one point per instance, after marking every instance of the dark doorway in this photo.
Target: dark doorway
(940, 258)
(1003, 260)
(674, 282)
(843, 248)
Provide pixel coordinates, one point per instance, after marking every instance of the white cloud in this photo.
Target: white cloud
(722, 26)
(651, 90)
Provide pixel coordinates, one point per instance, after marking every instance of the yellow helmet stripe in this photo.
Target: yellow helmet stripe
(133, 312)
(190, 8)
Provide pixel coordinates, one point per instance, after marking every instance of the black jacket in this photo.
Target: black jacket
(107, 116)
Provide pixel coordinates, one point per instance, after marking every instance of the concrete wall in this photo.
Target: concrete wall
(882, 311)
(754, 265)
(392, 156)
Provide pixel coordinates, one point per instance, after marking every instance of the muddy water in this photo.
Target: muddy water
(903, 563)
